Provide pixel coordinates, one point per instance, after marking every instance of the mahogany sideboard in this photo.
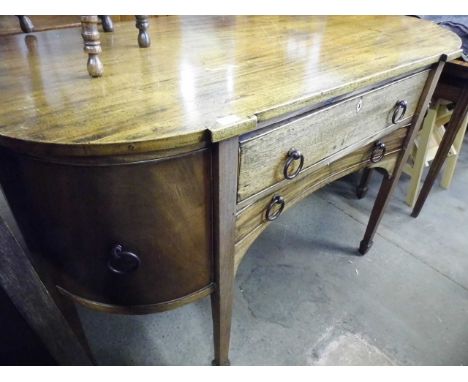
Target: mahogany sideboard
(142, 190)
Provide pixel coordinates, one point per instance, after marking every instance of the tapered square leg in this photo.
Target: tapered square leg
(142, 23)
(92, 45)
(390, 181)
(221, 308)
(225, 181)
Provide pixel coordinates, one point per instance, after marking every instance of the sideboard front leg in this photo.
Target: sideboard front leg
(390, 181)
(142, 23)
(225, 190)
(92, 44)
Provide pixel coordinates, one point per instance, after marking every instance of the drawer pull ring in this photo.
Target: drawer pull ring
(293, 155)
(378, 152)
(399, 112)
(277, 200)
(122, 262)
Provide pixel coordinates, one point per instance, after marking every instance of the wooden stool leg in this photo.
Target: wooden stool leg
(451, 162)
(225, 170)
(92, 44)
(362, 188)
(68, 309)
(142, 23)
(107, 24)
(420, 158)
(454, 125)
(389, 182)
(26, 24)
(35, 302)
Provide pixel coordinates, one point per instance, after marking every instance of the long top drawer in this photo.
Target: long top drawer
(323, 133)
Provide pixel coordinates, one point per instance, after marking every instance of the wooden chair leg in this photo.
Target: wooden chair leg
(26, 24)
(417, 169)
(454, 125)
(107, 24)
(92, 45)
(363, 187)
(142, 23)
(451, 162)
(390, 181)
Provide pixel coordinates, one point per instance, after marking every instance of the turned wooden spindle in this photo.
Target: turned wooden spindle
(26, 24)
(92, 44)
(107, 24)
(142, 23)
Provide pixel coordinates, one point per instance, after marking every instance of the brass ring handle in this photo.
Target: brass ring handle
(399, 112)
(293, 155)
(378, 152)
(277, 200)
(122, 262)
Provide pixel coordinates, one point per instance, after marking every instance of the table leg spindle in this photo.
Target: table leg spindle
(363, 186)
(142, 23)
(26, 24)
(92, 44)
(107, 24)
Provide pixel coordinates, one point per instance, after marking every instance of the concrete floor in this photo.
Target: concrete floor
(303, 296)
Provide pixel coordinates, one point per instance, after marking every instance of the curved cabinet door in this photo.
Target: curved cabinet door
(117, 233)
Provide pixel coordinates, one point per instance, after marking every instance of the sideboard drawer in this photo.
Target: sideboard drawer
(282, 153)
(105, 231)
(272, 204)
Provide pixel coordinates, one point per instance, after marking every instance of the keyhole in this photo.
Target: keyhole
(359, 105)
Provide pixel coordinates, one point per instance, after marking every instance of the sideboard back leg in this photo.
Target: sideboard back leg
(363, 187)
(142, 23)
(225, 182)
(389, 182)
(92, 44)
(454, 125)
(107, 24)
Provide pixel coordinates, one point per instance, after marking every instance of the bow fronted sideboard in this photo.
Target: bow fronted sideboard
(142, 190)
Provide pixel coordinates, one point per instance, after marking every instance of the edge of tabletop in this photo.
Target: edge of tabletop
(222, 131)
(223, 128)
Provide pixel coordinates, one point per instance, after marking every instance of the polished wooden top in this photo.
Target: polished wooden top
(203, 78)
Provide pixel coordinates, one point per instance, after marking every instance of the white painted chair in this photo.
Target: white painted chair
(426, 146)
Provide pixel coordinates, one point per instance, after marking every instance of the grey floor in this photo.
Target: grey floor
(303, 297)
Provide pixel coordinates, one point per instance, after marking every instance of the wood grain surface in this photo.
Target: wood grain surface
(72, 216)
(203, 78)
(323, 133)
